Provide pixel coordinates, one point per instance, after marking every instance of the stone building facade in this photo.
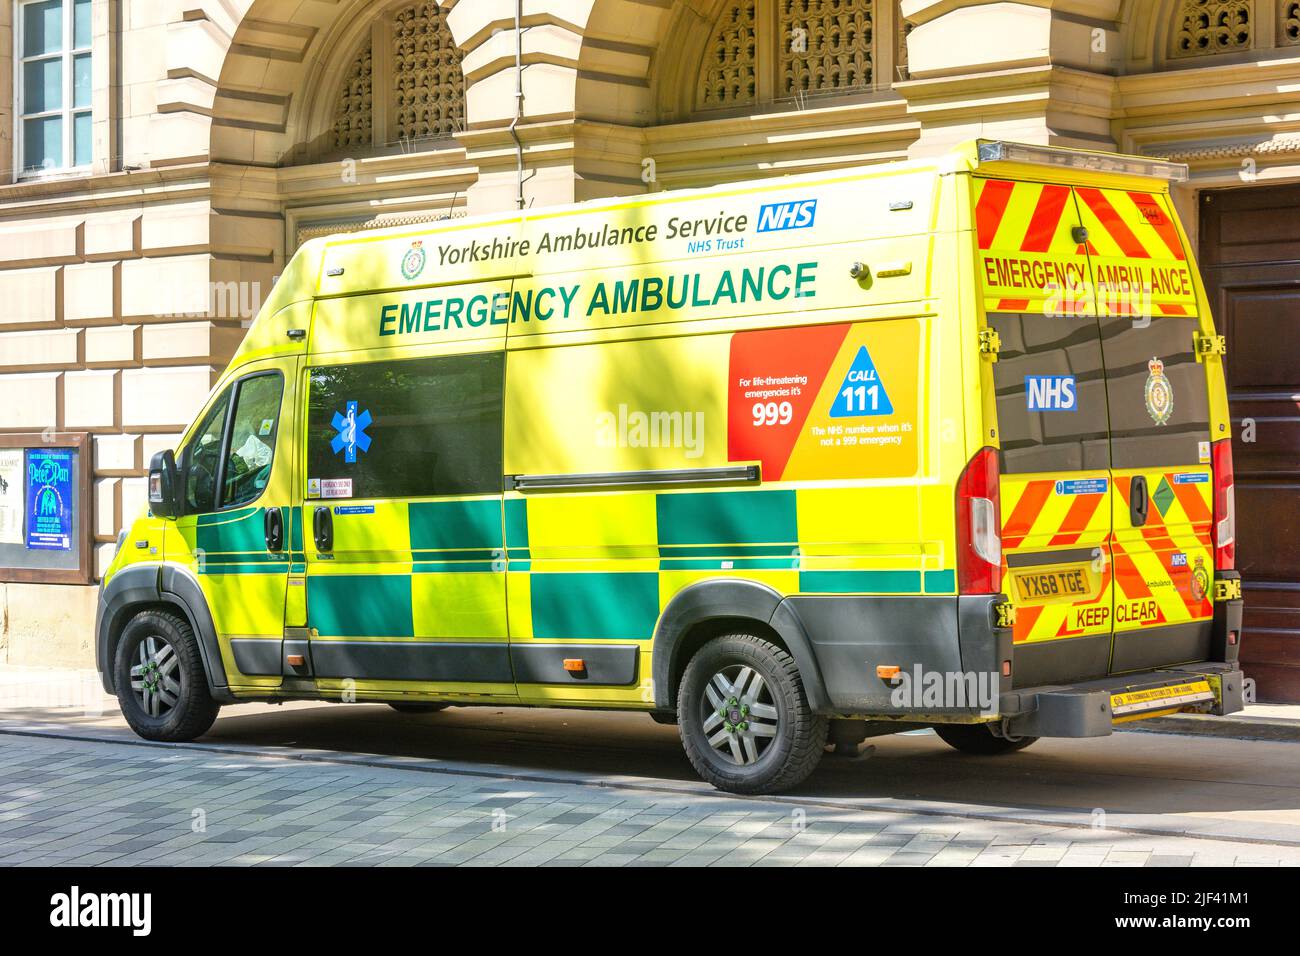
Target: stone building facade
(169, 155)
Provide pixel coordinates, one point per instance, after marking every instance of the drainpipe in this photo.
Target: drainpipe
(519, 104)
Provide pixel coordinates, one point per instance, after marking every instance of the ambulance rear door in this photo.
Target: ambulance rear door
(1160, 429)
(1052, 425)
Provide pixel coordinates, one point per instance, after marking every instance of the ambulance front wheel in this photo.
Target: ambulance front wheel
(744, 718)
(161, 686)
(978, 739)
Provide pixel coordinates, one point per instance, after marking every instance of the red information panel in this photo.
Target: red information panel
(775, 377)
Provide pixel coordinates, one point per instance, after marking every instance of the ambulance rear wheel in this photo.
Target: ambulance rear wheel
(411, 707)
(978, 739)
(744, 717)
(158, 673)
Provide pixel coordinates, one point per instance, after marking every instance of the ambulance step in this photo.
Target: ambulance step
(1092, 708)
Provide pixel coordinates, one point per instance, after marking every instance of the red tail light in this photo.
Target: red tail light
(1225, 506)
(979, 526)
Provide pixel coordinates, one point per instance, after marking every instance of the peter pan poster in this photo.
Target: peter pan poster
(49, 499)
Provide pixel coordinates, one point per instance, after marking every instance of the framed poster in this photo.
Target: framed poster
(12, 502)
(46, 528)
(49, 499)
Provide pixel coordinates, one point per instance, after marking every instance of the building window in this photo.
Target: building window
(793, 51)
(353, 115)
(1288, 23)
(1206, 27)
(404, 86)
(53, 85)
(730, 66)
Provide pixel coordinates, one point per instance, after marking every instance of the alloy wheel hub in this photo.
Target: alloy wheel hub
(155, 680)
(740, 715)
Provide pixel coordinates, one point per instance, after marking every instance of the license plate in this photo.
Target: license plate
(1043, 587)
(1160, 698)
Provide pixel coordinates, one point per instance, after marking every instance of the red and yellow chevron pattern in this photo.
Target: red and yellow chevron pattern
(1038, 519)
(1164, 569)
(1158, 574)
(1130, 260)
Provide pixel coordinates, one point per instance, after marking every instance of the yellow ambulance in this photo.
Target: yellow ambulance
(788, 463)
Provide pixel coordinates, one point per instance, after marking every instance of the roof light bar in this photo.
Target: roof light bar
(997, 151)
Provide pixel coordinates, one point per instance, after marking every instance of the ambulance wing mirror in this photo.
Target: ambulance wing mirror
(164, 485)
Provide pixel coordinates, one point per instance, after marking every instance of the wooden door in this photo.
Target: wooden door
(1250, 258)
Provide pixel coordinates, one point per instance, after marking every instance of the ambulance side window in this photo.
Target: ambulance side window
(413, 428)
(201, 458)
(232, 454)
(1051, 394)
(253, 429)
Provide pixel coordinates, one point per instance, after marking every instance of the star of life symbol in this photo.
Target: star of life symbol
(351, 429)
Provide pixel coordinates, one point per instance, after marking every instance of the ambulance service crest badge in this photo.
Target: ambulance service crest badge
(1159, 393)
(413, 261)
(1200, 583)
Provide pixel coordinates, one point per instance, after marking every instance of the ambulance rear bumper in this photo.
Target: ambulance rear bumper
(1092, 708)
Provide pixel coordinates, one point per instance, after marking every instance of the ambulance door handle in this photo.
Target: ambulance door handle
(273, 525)
(1139, 502)
(322, 523)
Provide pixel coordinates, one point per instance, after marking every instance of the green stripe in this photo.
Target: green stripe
(727, 517)
(360, 605)
(446, 525)
(860, 582)
(237, 531)
(595, 606)
(940, 582)
(224, 517)
(517, 523)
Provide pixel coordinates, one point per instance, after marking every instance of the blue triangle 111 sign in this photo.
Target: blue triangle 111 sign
(863, 393)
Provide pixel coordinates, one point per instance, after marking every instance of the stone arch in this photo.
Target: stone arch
(1151, 30)
(621, 43)
(281, 71)
(1145, 27)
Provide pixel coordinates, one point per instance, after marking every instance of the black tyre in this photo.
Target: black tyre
(412, 707)
(744, 717)
(978, 739)
(158, 673)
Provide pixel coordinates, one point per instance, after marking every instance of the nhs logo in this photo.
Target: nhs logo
(787, 215)
(1051, 393)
